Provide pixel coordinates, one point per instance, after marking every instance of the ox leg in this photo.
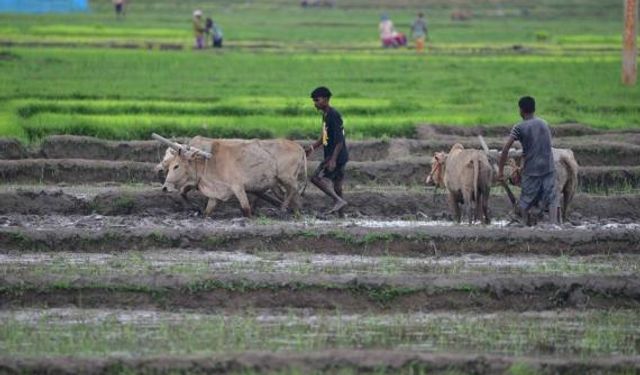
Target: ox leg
(478, 213)
(485, 206)
(468, 207)
(453, 203)
(244, 201)
(269, 199)
(211, 205)
(568, 197)
(291, 190)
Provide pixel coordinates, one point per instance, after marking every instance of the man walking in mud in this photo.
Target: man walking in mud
(329, 175)
(538, 172)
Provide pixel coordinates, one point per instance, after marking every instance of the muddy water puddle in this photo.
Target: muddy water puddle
(82, 191)
(202, 263)
(91, 332)
(101, 222)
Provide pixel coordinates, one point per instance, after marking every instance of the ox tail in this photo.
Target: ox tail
(306, 174)
(569, 189)
(476, 172)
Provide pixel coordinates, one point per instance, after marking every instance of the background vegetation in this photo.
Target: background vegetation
(70, 73)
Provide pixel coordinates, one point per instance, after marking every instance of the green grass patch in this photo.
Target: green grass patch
(240, 94)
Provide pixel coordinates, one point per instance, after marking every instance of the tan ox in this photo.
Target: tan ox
(566, 177)
(467, 176)
(236, 167)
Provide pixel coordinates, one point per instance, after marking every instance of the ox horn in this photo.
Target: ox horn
(173, 145)
(179, 147)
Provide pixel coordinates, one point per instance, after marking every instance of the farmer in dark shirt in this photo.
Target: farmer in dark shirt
(538, 173)
(331, 170)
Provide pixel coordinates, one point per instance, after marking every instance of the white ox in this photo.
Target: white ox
(467, 176)
(225, 168)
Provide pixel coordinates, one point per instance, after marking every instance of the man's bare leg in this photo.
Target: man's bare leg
(337, 187)
(554, 214)
(324, 185)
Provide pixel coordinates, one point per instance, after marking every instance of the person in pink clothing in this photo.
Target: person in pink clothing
(388, 34)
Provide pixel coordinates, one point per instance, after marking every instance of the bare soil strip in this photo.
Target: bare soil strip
(403, 171)
(325, 292)
(132, 233)
(387, 203)
(332, 361)
(587, 151)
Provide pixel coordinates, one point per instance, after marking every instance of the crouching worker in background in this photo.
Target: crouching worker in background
(329, 175)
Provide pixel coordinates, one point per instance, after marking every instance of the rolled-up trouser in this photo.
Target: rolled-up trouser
(420, 44)
(538, 190)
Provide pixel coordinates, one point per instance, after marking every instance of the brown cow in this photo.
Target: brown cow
(467, 176)
(566, 177)
(237, 167)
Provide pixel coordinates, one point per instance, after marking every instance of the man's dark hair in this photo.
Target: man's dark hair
(527, 104)
(320, 92)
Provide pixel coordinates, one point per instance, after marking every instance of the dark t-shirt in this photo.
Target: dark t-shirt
(333, 134)
(535, 137)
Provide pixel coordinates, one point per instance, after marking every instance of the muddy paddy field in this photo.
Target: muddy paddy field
(101, 272)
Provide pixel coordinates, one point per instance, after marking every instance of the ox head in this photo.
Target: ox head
(162, 168)
(436, 176)
(182, 175)
(515, 177)
(179, 163)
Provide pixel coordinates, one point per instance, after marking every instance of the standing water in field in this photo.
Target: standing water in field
(43, 6)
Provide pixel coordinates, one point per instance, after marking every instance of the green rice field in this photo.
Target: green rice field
(66, 74)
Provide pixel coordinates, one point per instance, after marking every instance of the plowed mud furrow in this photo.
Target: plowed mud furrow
(358, 361)
(388, 172)
(124, 234)
(387, 203)
(328, 292)
(609, 149)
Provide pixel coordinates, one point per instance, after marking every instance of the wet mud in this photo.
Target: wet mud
(324, 292)
(410, 171)
(108, 234)
(374, 203)
(358, 361)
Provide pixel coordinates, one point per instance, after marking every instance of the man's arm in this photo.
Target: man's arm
(312, 147)
(504, 155)
(331, 165)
